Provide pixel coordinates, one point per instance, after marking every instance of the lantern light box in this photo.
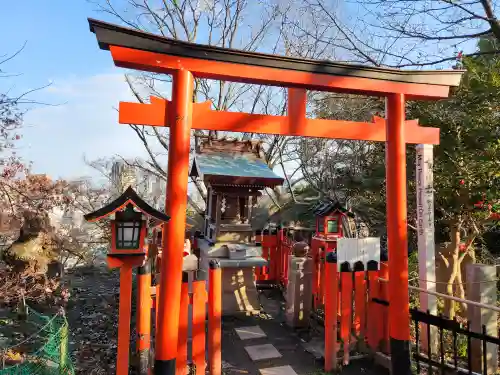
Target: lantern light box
(129, 224)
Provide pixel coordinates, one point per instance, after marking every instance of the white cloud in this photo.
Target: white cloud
(55, 138)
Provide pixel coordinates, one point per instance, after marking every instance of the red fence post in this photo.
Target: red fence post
(276, 251)
(272, 255)
(384, 295)
(287, 251)
(374, 323)
(258, 242)
(322, 256)
(331, 301)
(199, 313)
(266, 241)
(182, 348)
(157, 291)
(279, 255)
(346, 277)
(314, 255)
(214, 318)
(359, 304)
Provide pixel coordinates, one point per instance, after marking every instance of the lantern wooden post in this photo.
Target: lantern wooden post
(143, 340)
(173, 240)
(397, 239)
(128, 250)
(125, 309)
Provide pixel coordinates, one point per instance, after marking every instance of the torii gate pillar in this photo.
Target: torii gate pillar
(397, 235)
(180, 120)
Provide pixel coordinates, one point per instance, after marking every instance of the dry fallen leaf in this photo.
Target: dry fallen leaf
(13, 356)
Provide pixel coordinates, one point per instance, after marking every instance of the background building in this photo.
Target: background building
(150, 186)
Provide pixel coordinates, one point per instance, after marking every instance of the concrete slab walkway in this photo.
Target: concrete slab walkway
(264, 345)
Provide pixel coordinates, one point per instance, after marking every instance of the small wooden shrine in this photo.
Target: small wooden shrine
(234, 172)
(332, 220)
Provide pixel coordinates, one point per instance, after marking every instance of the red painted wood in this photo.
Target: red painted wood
(162, 63)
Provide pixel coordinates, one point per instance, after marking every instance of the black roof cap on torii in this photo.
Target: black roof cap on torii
(129, 196)
(109, 34)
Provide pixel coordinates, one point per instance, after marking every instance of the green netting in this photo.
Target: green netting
(52, 356)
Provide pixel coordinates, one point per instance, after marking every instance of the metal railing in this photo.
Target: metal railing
(457, 349)
(452, 298)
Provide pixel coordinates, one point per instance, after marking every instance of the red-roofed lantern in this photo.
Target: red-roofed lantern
(331, 224)
(129, 224)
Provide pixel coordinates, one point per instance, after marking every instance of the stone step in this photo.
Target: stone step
(279, 370)
(262, 352)
(250, 333)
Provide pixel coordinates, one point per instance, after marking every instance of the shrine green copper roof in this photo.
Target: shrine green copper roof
(230, 165)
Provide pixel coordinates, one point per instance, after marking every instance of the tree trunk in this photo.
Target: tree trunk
(449, 305)
(454, 267)
(460, 284)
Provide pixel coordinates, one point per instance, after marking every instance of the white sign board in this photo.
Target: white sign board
(353, 250)
(425, 228)
(372, 250)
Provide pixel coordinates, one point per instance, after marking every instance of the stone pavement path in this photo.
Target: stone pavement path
(264, 345)
(275, 348)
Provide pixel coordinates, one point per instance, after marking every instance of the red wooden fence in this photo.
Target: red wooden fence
(201, 303)
(343, 297)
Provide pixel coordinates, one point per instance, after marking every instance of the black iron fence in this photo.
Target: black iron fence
(455, 348)
(459, 349)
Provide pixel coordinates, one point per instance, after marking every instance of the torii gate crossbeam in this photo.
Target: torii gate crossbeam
(294, 124)
(186, 61)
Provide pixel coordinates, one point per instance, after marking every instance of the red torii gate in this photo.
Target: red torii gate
(185, 61)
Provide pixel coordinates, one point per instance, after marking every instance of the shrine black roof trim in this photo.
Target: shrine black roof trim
(128, 195)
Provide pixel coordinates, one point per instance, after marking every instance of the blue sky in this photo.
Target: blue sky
(85, 86)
